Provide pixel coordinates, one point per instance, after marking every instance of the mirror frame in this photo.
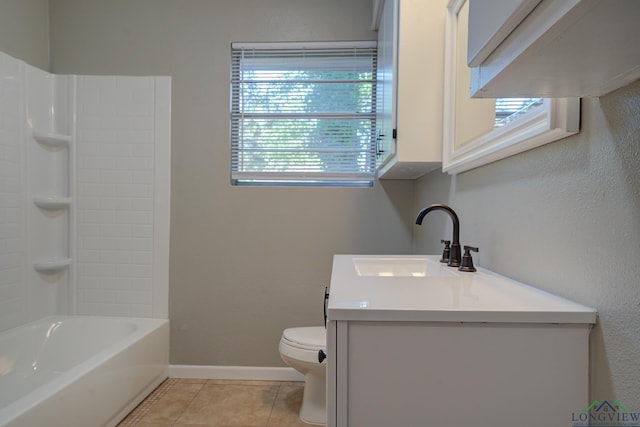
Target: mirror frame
(557, 118)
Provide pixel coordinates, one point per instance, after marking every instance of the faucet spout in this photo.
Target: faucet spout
(456, 255)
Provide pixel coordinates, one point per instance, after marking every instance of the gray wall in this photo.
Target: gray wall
(245, 262)
(24, 30)
(565, 218)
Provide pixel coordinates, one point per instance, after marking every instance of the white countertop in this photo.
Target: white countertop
(440, 294)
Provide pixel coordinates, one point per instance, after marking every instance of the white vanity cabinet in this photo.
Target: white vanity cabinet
(410, 86)
(550, 48)
(432, 346)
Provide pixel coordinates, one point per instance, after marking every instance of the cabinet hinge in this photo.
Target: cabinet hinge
(395, 134)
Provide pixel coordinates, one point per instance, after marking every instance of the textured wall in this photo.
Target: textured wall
(566, 218)
(245, 262)
(24, 34)
(24, 31)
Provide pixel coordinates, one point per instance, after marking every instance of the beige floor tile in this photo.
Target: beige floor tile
(145, 424)
(244, 382)
(192, 380)
(204, 425)
(167, 410)
(300, 383)
(231, 405)
(135, 416)
(173, 403)
(287, 406)
(182, 390)
(280, 400)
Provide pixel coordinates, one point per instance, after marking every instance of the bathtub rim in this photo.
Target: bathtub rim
(23, 404)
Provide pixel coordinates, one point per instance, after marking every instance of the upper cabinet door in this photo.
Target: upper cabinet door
(494, 21)
(568, 48)
(386, 80)
(409, 89)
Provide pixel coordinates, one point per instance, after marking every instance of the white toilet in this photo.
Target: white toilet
(299, 348)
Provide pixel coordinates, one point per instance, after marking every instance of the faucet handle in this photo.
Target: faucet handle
(467, 261)
(446, 252)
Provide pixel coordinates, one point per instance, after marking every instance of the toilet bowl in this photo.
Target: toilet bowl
(299, 348)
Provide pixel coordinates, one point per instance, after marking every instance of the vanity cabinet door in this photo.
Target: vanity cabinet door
(388, 373)
(337, 399)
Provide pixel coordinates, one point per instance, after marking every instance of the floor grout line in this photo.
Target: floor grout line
(273, 404)
(186, 407)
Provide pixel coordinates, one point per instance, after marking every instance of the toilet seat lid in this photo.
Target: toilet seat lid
(306, 337)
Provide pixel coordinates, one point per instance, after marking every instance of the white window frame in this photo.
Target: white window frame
(557, 118)
(343, 179)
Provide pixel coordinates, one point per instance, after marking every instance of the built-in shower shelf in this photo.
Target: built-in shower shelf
(52, 139)
(51, 265)
(52, 203)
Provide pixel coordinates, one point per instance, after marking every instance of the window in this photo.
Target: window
(508, 109)
(303, 113)
(478, 131)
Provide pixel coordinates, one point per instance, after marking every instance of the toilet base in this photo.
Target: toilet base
(314, 400)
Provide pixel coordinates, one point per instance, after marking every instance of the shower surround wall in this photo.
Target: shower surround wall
(13, 239)
(84, 194)
(122, 187)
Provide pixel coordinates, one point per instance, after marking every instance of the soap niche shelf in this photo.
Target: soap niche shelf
(51, 265)
(52, 203)
(53, 140)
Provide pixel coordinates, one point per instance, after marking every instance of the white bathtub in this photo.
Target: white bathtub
(80, 371)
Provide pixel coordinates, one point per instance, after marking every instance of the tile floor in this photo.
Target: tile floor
(219, 403)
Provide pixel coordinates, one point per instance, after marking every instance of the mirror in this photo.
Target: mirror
(471, 137)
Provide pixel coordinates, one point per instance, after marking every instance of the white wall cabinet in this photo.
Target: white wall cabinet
(572, 48)
(410, 86)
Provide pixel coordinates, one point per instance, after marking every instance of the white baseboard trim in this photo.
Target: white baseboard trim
(255, 373)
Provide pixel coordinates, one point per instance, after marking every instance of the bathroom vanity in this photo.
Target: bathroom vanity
(412, 342)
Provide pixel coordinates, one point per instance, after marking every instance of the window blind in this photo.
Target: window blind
(507, 109)
(303, 113)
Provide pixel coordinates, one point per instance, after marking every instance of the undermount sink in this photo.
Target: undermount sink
(400, 267)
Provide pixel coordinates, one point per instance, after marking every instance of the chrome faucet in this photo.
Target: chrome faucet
(456, 256)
